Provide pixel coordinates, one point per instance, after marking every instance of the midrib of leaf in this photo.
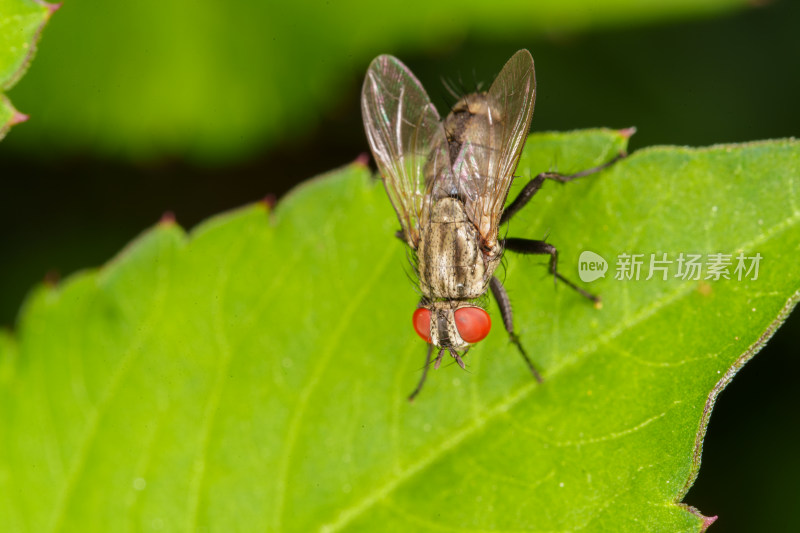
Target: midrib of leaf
(156, 310)
(477, 423)
(311, 384)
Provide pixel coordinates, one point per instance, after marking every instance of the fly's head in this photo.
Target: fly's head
(451, 326)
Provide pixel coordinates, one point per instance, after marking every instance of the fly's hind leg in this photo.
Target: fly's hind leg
(530, 246)
(533, 186)
(501, 296)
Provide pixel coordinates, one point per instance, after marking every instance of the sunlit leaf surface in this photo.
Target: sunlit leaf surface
(252, 375)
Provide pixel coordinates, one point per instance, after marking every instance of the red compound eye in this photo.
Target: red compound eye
(422, 323)
(473, 323)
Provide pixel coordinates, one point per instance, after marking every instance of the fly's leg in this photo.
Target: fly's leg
(424, 374)
(530, 246)
(501, 296)
(536, 183)
(458, 359)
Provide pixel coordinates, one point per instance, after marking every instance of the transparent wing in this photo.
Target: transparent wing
(407, 139)
(485, 165)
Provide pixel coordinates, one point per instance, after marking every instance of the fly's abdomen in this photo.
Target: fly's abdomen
(451, 264)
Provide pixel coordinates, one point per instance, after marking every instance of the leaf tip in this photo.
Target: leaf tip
(167, 219)
(51, 8)
(269, 201)
(51, 278)
(707, 521)
(362, 159)
(627, 133)
(18, 118)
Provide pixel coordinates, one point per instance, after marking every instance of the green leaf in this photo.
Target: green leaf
(252, 376)
(212, 82)
(21, 22)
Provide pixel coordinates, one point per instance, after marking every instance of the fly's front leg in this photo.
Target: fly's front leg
(529, 246)
(501, 296)
(424, 374)
(533, 186)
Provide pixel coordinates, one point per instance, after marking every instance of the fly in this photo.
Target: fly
(448, 182)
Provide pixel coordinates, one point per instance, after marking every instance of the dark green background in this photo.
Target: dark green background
(732, 78)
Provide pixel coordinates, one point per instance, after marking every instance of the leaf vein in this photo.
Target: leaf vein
(322, 361)
(221, 339)
(125, 364)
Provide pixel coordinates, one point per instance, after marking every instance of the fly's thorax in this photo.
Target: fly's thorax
(474, 130)
(451, 262)
(474, 118)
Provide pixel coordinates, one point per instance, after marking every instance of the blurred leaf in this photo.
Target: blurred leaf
(21, 22)
(253, 375)
(216, 81)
